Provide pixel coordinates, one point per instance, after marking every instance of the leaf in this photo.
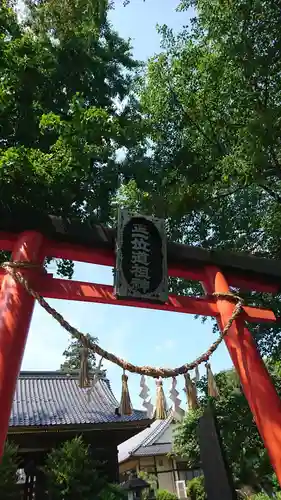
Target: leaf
(249, 462)
(63, 68)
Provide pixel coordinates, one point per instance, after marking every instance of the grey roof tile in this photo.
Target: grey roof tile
(158, 430)
(54, 398)
(155, 449)
(144, 443)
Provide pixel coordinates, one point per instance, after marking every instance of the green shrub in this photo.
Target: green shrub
(260, 496)
(112, 492)
(264, 496)
(71, 473)
(165, 495)
(151, 479)
(8, 473)
(196, 489)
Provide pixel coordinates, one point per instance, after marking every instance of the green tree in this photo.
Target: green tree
(8, 473)
(66, 108)
(196, 489)
(72, 356)
(244, 449)
(165, 495)
(211, 101)
(72, 474)
(151, 479)
(202, 100)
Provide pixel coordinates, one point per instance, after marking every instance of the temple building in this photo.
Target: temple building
(50, 408)
(151, 451)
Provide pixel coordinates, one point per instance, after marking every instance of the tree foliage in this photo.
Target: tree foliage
(66, 108)
(196, 489)
(244, 449)
(8, 473)
(72, 356)
(151, 479)
(72, 474)
(211, 98)
(202, 145)
(165, 495)
(212, 167)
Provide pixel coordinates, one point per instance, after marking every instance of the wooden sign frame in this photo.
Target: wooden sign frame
(143, 249)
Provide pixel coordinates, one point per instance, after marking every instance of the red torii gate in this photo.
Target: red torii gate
(32, 237)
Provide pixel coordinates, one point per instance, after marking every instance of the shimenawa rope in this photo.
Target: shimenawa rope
(13, 269)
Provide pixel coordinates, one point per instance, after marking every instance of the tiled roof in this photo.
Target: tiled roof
(54, 398)
(153, 450)
(144, 443)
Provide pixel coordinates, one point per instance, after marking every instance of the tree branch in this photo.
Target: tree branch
(196, 125)
(271, 193)
(228, 193)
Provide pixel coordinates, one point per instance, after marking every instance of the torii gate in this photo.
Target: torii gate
(32, 237)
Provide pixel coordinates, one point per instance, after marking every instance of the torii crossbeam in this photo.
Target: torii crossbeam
(32, 237)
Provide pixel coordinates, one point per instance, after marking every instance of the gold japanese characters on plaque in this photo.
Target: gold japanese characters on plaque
(141, 258)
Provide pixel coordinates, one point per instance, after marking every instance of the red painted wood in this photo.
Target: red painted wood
(236, 281)
(255, 379)
(16, 307)
(103, 294)
(7, 240)
(52, 288)
(107, 258)
(92, 292)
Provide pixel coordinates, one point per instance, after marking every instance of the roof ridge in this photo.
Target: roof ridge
(155, 432)
(43, 374)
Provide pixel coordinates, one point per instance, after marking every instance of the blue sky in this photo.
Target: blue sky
(141, 336)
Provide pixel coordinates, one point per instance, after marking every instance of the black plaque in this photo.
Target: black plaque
(141, 258)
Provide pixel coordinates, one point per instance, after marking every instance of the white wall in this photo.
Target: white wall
(165, 479)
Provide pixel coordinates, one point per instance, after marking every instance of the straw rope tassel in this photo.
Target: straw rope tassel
(125, 404)
(84, 376)
(191, 392)
(95, 379)
(212, 386)
(161, 408)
